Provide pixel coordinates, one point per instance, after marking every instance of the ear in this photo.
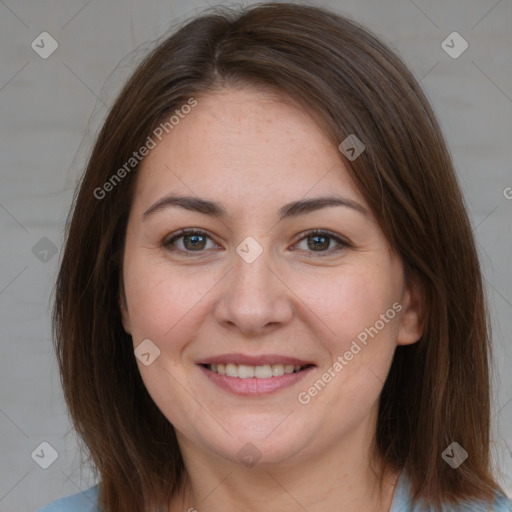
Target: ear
(413, 310)
(125, 316)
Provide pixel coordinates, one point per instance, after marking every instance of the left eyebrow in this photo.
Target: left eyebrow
(304, 206)
(215, 209)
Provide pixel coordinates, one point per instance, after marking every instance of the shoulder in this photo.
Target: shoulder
(402, 501)
(502, 504)
(86, 501)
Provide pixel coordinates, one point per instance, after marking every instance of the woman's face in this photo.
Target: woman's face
(251, 290)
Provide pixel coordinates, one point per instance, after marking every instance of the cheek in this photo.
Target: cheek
(349, 301)
(164, 306)
(168, 304)
(361, 329)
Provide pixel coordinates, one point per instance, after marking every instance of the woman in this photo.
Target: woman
(270, 297)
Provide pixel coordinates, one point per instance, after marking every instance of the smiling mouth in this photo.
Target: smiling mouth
(266, 371)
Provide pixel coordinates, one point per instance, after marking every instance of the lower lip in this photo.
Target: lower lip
(254, 386)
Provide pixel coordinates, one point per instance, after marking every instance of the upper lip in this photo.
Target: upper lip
(253, 360)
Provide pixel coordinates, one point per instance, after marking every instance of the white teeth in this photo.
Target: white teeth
(263, 372)
(277, 370)
(231, 370)
(246, 372)
(243, 371)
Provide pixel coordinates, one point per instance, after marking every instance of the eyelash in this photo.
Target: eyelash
(342, 244)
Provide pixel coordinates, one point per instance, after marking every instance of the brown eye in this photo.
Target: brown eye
(322, 242)
(193, 242)
(188, 241)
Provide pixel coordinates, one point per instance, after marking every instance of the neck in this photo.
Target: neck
(342, 479)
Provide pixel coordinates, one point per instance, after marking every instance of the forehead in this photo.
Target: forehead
(244, 144)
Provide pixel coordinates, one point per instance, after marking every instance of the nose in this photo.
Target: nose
(254, 299)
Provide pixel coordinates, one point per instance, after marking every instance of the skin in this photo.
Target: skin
(254, 152)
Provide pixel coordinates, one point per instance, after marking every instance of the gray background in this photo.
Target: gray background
(52, 108)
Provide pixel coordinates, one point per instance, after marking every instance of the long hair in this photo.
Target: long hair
(437, 391)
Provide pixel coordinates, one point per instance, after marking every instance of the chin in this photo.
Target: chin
(263, 442)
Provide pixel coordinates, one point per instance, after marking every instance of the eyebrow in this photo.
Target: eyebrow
(218, 210)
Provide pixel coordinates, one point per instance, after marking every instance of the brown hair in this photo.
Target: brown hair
(437, 390)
